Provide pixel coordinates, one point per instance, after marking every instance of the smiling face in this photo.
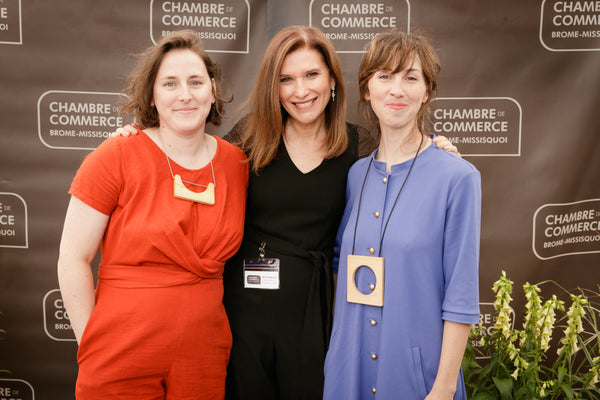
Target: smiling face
(396, 98)
(305, 86)
(183, 92)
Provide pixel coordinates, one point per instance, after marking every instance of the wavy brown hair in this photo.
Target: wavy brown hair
(394, 51)
(264, 126)
(140, 84)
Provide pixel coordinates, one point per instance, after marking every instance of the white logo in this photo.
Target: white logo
(224, 26)
(351, 24)
(78, 120)
(481, 126)
(13, 221)
(16, 389)
(11, 30)
(56, 320)
(570, 25)
(566, 229)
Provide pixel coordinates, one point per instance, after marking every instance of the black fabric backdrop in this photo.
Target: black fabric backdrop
(518, 94)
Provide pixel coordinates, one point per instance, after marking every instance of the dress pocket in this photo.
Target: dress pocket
(418, 374)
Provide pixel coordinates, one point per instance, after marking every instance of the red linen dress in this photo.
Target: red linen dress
(159, 329)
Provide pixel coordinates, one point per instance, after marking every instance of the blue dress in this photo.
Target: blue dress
(431, 252)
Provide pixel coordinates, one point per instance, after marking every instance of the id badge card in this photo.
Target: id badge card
(261, 273)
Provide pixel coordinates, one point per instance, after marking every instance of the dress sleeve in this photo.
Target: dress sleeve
(461, 250)
(98, 181)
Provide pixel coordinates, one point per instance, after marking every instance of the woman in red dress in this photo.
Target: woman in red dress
(167, 208)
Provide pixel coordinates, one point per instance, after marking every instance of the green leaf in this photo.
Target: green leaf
(484, 375)
(484, 396)
(504, 386)
(522, 393)
(561, 373)
(568, 391)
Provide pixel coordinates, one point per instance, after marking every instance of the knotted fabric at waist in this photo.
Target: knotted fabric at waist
(318, 315)
(157, 275)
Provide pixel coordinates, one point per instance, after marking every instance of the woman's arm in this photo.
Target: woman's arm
(454, 341)
(83, 230)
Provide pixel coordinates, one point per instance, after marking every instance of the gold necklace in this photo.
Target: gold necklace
(182, 192)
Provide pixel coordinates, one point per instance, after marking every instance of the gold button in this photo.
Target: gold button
(372, 286)
(376, 214)
(372, 250)
(384, 180)
(373, 322)
(374, 356)
(373, 390)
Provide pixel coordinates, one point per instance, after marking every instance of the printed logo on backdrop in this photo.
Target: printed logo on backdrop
(56, 320)
(13, 221)
(11, 30)
(351, 24)
(16, 389)
(480, 126)
(487, 318)
(566, 229)
(570, 25)
(223, 25)
(78, 120)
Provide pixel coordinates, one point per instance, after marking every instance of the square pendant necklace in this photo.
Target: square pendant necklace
(181, 192)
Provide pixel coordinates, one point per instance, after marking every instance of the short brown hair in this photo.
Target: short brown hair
(140, 84)
(393, 51)
(266, 121)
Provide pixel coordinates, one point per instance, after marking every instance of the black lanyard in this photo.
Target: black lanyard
(395, 201)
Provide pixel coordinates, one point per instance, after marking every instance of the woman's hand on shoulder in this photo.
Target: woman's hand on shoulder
(442, 142)
(126, 130)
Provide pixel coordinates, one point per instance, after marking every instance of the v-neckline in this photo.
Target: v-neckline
(287, 154)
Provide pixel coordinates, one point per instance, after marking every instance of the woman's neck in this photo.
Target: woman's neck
(396, 147)
(189, 151)
(315, 131)
(306, 145)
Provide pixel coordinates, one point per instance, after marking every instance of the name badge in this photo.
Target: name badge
(261, 273)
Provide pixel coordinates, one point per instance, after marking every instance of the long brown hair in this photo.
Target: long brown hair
(266, 120)
(393, 51)
(140, 84)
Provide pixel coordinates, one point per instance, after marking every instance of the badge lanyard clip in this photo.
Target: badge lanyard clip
(261, 272)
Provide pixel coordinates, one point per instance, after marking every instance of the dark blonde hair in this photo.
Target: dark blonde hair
(140, 84)
(265, 123)
(394, 51)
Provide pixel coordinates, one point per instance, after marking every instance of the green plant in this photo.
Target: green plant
(519, 364)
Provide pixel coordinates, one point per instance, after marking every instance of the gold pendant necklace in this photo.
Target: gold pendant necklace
(181, 192)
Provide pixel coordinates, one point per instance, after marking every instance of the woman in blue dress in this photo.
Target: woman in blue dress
(407, 270)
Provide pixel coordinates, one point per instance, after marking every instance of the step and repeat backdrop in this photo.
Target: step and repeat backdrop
(519, 96)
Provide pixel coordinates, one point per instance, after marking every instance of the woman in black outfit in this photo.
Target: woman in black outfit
(300, 150)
